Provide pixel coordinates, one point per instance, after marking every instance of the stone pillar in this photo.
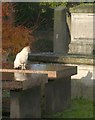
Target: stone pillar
(26, 103)
(60, 31)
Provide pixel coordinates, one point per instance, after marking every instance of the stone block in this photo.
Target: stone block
(26, 104)
(82, 84)
(82, 36)
(58, 95)
(36, 96)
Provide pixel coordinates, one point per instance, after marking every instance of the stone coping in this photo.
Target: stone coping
(23, 82)
(52, 70)
(83, 8)
(50, 57)
(35, 75)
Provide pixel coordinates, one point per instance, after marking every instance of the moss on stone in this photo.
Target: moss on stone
(83, 8)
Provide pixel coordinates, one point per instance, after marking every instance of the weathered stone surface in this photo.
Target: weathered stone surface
(82, 36)
(22, 81)
(26, 104)
(34, 100)
(82, 89)
(85, 71)
(82, 84)
(53, 71)
(57, 91)
(80, 30)
(83, 8)
(58, 95)
(29, 103)
(61, 31)
(67, 59)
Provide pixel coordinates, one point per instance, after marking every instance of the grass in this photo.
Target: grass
(80, 108)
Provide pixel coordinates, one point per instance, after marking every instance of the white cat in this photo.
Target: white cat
(22, 58)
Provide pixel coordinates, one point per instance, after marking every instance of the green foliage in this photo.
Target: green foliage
(43, 45)
(35, 14)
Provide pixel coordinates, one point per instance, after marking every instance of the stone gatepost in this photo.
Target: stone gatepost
(82, 34)
(61, 31)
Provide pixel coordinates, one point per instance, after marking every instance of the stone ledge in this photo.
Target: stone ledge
(66, 59)
(9, 83)
(53, 71)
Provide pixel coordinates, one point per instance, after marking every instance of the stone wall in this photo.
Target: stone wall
(82, 84)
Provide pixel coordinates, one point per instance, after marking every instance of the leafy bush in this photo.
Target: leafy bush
(14, 38)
